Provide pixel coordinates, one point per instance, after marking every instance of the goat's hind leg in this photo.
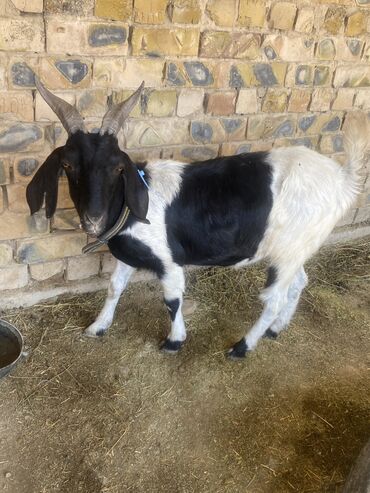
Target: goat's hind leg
(117, 284)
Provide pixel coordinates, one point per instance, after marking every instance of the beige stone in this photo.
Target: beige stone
(321, 99)
(270, 126)
(108, 263)
(344, 99)
(14, 277)
(299, 100)
(64, 199)
(31, 6)
(161, 103)
(356, 24)
(190, 102)
(221, 103)
(220, 44)
(50, 247)
(6, 253)
(247, 102)
(119, 10)
(352, 76)
(256, 74)
(66, 219)
(150, 11)
(185, 11)
(334, 19)
(363, 214)
(133, 73)
(46, 270)
(290, 49)
(20, 225)
(343, 52)
(92, 103)
(43, 112)
(22, 34)
(252, 13)
(282, 15)
(156, 132)
(157, 41)
(5, 164)
(53, 78)
(119, 96)
(221, 12)
(362, 100)
(275, 101)
(82, 267)
(16, 105)
(305, 20)
(17, 198)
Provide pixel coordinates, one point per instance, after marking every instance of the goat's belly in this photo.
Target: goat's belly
(135, 253)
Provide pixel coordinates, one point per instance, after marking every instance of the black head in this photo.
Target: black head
(101, 177)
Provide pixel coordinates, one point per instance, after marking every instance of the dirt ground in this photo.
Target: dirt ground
(116, 415)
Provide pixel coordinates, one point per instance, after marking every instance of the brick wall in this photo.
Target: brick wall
(222, 76)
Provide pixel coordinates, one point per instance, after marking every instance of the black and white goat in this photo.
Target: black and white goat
(279, 206)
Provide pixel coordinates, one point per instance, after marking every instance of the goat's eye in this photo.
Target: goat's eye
(67, 166)
(119, 169)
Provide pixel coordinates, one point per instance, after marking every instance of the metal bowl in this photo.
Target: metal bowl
(11, 347)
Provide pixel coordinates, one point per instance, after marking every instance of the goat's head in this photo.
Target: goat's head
(99, 174)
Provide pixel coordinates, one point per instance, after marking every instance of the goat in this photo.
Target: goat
(278, 206)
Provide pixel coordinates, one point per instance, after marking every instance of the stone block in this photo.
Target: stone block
(159, 42)
(6, 253)
(22, 34)
(92, 103)
(334, 19)
(270, 127)
(5, 164)
(299, 100)
(20, 225)
(347, 219)
(221, 103)
(275, 101)
(344, 99)
(22, 73)
(17, 198)
(247, 102)
(64, 199)
(118, 10)
(252, 13)
(116, 73)
(234, 148)
(2, 204)
(185, 11)
(308, 75)
(331, 144)
(24, 167)
(305, 20)
(119, 96)
(65, 219)
(221, 44)
(150, 11)
(348, 49)
(79, 37)
(161, 103)
(29, 6)
(14, 277)
(156, 132)
(356, 23)
(192, 153)
(70, 7)
(352, 76)
(326, 49)
(46, 270)
(207, 131)
(322, 75)
(362, 100)
(65, 73)
(313, 124)
(258, 74)
(321, 99)
(108, 263)
(53, 246)
(83, 267)
(190, 102)
(221, 12)
(3, 66)
(235, 128)
(282, 15)
(20, 137)
(43, 112)
(195, 73)
(362, 215)
(289, 49)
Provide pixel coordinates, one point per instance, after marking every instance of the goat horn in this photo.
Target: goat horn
(115, 116)
(70, 118)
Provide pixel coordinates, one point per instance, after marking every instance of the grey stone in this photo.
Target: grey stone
(73, 70)
(284, 130)
(303, 141)
(174, 76)
(243, 148)
(270, 53)
(337, 143)
(26, 167)
(308, 42)
(18, 137)
(321, 75)
(231, 124)
(22, 75)
(198, 153)
(354, 46)
(363, 2)
(107, 35)
(201, 132)
(198, 73)
(306, 122)
(264, 74)
(332, 125)
(2, 173)
(236, 80)
(303, 75)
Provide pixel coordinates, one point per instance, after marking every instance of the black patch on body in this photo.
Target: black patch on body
(220, 214)
(271, 276)
(135, 253)
(239, 349)
(173, 306)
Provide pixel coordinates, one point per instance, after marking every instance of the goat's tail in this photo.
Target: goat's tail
(356, 143)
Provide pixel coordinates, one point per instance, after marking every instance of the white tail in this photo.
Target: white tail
(356, 142)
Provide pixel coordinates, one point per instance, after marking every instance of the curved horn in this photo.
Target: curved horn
(70, 118)
(115, 116)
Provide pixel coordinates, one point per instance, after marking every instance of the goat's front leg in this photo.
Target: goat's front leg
(117, 284)
(173, 287)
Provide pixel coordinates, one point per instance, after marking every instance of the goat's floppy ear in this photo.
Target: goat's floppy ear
(136, 192)
(45, 184)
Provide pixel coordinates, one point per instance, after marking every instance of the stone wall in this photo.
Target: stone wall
(222, 76)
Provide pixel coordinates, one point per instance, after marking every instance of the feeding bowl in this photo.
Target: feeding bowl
(11, 347)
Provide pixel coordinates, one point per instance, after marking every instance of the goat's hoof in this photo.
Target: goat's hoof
(239, 350)
(270, 334)
(172, 347)
(94, 333)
